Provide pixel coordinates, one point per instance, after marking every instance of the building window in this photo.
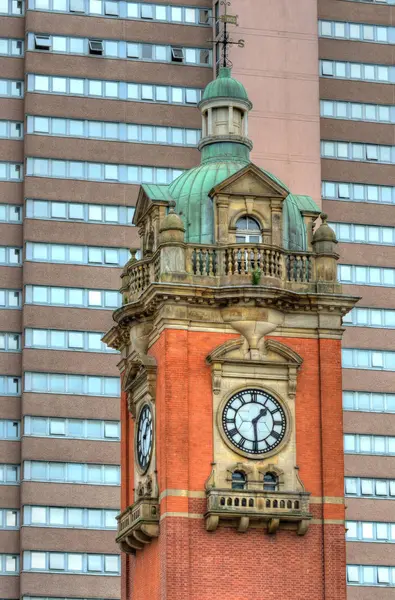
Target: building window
(57, 472)
(270, 482)
(9, 474)
(364, 234)
(10, 342)
(370, 575)
(9, 429)
(357, 71)
(14, 8)
(10, 386)
(356, 31)
(79, 385)
(11, 47)
(65, 517)
(369, 444)
(239, 480)
(369, 401)
(374, 488)
(127, 10)
(110, 173)
(9, 518)
(67, 562)
(356, 358)
(11, 171)
(58, 296)
(110, 90)
(358, 152)
(370, 317)
(248, 231)
(365, 531)
(358, 192)
(117, 49)
(9, 564)
(10, 88)
(124, 132)
(366, 275)
(57, 339)
(71, 428)
(70, 254)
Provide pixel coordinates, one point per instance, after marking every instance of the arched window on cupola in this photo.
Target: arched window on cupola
(248, 230)
(239, 480)
(270, 482)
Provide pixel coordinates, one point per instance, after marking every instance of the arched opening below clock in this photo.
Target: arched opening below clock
(239, 480)
(270, 482)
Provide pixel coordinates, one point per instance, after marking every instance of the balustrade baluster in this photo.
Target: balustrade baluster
(305, 268)
(211, 263)
(235, 261)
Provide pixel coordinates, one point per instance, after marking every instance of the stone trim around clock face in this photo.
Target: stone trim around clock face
(274, 371)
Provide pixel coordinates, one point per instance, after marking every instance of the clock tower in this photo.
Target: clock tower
(230, 338)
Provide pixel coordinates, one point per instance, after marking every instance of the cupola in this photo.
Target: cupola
(224, 107)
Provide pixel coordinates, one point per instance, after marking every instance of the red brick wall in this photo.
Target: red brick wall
(188, 563)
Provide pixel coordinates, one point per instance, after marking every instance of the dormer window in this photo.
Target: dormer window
(248, 231)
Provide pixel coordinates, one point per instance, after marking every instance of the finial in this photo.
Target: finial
(324, 217)
(172, 206)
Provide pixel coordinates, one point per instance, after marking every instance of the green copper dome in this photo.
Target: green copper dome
(225, 87)
(221, 157)
(190, 191)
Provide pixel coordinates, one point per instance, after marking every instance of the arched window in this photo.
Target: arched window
(248, 231)
(239, 480)
(270, 482)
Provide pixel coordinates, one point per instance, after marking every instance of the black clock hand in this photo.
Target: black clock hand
(262, 413)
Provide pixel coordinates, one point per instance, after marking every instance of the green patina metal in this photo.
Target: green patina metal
(220, 160)
(225, 86)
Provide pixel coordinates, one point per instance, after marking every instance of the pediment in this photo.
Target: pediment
(250, 181)
(149, 196)
(143, 204)
(282, 353)
(274, 360)
(271, 351)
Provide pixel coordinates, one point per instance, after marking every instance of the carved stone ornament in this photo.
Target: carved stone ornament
(139, 382)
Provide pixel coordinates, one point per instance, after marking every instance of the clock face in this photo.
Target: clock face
(254, 421)
(144, 437)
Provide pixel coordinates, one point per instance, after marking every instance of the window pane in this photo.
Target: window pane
(56, 516)
(74, 562)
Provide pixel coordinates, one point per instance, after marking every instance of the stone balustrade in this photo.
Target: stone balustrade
(244, 506)
(220, 265)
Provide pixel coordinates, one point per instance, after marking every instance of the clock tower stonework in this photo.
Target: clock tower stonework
(230, 338)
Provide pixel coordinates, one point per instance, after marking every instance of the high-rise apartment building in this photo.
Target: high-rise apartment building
(99, 96)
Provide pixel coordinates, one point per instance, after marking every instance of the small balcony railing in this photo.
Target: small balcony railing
(138, 524)
(244, 506)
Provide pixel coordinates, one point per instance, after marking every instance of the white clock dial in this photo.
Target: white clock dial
(254, 421)
(144, 437)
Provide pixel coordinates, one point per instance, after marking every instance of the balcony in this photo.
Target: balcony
(138, 525)
(216, 266)
(241, 507)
